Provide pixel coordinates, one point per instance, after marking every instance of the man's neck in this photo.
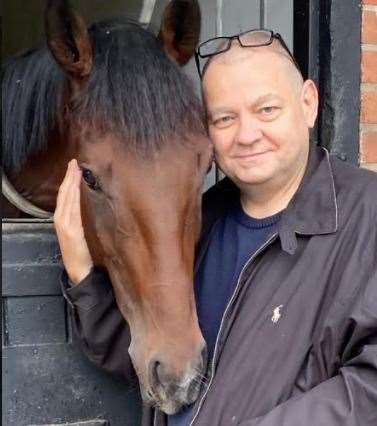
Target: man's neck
(264, 200)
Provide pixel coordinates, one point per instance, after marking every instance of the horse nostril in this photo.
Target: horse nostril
(155, 369)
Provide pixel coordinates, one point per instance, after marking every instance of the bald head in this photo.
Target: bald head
(273, 53)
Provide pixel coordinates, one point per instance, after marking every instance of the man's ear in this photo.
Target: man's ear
(180, 30)
(309, 98)
(68, 39)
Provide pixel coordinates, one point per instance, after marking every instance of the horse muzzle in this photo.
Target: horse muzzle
(170, 392)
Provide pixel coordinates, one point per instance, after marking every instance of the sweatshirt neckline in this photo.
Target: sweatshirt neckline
(240, 216)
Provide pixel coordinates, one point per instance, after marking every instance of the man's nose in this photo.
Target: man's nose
(249, 130)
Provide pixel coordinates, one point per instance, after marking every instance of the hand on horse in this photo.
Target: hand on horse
(68, 225)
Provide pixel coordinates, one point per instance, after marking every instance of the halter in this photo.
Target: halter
(20, 202)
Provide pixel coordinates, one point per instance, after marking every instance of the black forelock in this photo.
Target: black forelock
(32, 84)
(136, 91)
(133, 90)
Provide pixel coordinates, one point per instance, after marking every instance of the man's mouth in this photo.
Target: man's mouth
(251, 155)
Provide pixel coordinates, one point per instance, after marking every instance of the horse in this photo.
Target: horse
(114, 97)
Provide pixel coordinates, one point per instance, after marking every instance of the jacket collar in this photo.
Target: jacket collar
(312, 211)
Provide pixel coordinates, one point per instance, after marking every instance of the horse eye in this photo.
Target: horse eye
(90, 179)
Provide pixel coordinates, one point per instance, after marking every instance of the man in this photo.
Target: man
(286, 270)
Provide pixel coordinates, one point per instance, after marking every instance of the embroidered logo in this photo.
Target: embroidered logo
(276, 314)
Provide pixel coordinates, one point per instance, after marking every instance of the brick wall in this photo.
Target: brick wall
(368, 113)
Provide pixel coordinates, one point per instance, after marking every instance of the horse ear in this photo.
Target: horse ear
(180, 29)
(68, 39)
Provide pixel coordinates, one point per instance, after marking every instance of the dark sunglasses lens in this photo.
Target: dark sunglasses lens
(212, 47)
(255, 38)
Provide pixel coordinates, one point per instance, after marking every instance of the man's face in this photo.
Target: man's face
(259, 115)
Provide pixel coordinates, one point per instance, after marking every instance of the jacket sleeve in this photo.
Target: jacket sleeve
(97, 323)
(350, 397)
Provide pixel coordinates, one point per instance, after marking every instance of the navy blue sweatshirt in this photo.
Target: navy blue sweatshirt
(236, 237)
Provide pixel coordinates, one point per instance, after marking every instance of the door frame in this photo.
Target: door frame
(327, 44)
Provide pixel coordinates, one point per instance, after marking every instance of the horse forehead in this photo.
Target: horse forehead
(110, 151)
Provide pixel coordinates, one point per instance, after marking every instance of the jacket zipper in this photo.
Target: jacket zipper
(269, 241)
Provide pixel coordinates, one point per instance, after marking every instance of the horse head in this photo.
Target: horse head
(133, 122)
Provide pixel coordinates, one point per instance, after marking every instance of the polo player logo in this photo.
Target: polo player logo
(276, 314)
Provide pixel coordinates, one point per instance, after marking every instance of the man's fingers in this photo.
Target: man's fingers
(73, 199)
(71, 206)
(62, 193)
(78, 174)
(69, 229)
(69, 185)
(75, 213)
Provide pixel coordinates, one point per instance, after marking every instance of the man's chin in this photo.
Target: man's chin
(251, 175)
(251, 178)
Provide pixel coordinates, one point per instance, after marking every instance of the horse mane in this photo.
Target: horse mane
(31, 87)
(133, 90)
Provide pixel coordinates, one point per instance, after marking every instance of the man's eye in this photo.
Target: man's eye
(90, 179)
(269, 110)
(223, 121)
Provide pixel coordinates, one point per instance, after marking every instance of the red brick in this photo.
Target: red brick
(369, 27)
(368, 107)
(369, 66)
(368, 147)
(369, 1)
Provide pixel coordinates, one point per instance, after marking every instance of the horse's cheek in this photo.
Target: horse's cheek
(91, 232)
